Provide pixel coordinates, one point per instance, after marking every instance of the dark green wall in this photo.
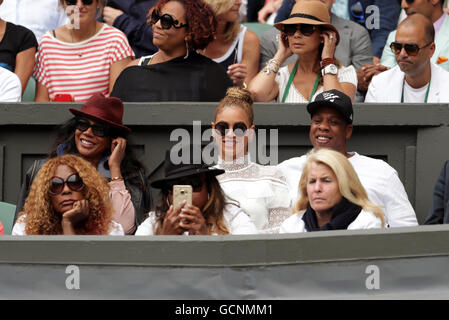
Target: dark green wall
(414, 139)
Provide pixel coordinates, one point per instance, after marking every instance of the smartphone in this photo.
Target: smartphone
(284, 38)
(63, 97)
(181, 193)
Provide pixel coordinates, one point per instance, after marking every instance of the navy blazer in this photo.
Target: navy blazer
(133, 23)
(440, 202)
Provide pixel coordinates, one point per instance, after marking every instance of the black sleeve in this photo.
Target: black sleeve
(27, 39)
(436, 214)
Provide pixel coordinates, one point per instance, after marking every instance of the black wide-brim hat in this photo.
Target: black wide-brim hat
(107, 110)
(174, 171)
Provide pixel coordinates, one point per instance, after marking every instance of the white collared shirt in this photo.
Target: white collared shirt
(39, 16)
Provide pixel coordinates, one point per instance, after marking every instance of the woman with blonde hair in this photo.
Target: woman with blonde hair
(332, 197)
(234, 47)
(261, 191)
(68, 196)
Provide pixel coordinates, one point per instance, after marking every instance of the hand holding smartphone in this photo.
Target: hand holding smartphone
(181, 193)
(63, 97)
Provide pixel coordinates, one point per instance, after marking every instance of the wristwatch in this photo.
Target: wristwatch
(329, 69)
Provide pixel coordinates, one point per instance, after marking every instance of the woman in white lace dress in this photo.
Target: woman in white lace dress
(261, 190)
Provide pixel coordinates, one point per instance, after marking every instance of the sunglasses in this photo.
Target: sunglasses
(409, 1)
(195, 181)
(305, 29)
(74, 182)
(73, 2)
(100, 130)
(357, 12)
(412, 49)
(239, 128)
(167, 21)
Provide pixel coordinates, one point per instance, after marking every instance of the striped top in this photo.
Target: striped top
(81, 68)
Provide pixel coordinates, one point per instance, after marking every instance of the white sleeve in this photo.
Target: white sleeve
(19, 227)
(398, 210)
(240, 223)
(146, 228)
(371, 94)
(347, 74)
(10, 88)
(116, 229)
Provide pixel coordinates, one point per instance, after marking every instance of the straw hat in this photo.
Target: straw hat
(309, 12)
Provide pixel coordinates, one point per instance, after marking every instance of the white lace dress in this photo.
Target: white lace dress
(262, 192)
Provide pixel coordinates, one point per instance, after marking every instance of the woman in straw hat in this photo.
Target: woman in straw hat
(309, 34)
(331, 197)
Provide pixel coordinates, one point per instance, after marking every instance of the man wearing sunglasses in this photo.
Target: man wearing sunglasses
(331, 127)
(433, 10)
(415, 79)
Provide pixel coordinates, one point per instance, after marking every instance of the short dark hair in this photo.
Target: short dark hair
(201, 22)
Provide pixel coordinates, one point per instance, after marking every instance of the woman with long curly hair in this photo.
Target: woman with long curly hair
(211, 212)
(97, 134)
(331, 197)
(180, 28)
(68, 196)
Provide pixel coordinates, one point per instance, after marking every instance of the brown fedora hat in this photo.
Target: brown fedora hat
(309, 12)
(104, 110)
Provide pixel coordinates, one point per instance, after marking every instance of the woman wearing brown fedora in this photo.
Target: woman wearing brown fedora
(211, 212)
(97, 134)
(309, 34)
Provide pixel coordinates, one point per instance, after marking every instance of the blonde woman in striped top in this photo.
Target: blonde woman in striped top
(82, 57)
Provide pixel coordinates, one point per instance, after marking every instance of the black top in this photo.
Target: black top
(16, 39)
(196, 78)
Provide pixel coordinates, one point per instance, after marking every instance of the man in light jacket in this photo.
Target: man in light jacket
(415, 79)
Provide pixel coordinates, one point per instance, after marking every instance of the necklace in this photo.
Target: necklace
(90, 35)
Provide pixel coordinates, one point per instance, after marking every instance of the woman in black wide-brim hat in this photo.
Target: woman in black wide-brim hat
(98, 135)
(210, 213)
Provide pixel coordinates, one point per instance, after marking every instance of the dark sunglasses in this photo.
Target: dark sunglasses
(74, 182)
(73, 2)
(167, 21)
(239, 128)
(195, 181)
(409, 1)
(100, 130)
(357, 12)
(305, 29)
(412, 49)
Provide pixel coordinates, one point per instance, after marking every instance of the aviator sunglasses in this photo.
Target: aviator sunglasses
(74, 182)
(239, 128)
(167, 21)
(99, 130)
(195, 181)
(73, 2)
(305, 29)
(412, 49)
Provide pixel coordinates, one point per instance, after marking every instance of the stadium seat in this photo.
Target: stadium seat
(258, 28)
(7, 212)
(28, 95)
